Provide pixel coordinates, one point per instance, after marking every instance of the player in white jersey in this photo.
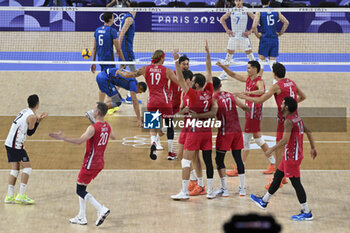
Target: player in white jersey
(238, 35)
(25, 124)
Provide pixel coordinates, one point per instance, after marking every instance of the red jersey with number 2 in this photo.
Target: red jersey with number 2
(157, 83)
(294, 148)
(96, 146)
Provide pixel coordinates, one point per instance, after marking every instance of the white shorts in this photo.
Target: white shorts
(239, 43)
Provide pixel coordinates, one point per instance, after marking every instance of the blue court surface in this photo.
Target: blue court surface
(194, 57)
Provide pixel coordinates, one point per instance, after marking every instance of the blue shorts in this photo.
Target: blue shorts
(268, 47)
(105, 84)
(105, 67)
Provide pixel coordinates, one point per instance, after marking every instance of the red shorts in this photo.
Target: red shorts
(85, 176)
(290, 167)
(252, 125)
(198, 141)
(182, 137)
(232, 141)
(166, 109)
(280, 129)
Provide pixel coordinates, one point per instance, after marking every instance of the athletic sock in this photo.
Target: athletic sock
(200, 181)
(82, 211)
(242, 180)
(185, 186)
(89, 198)
(10, 190)
(305, 208)
(272, 159)
(223, 182)
(170, 145)
(267, 197)
(210, 185)
(153, 139)
(193, 175)
(22, 189)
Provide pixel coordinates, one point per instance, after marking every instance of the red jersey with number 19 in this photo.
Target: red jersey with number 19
(96, 146)
(157, 83)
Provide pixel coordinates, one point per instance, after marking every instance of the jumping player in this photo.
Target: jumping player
(104, 39)
(292, 142)
(238, 36)
(157, 77)
(268, 45)
(25, 124)
(108, 80)
(96, 137)
(284, 87)
(254, 87)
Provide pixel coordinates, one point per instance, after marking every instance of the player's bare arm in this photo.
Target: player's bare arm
(241, 105)
(210, 114)
(93, 66)
(209, 76)
(180, 78)
(301, 95)
(255, 25)
(31, 120)
(135, 103)
(224, 25)
(111, 3)
(90, 131)
(128, 22)
(134, 74)
(285, 22)
(260, 91)
(172, 76)
(247, 33)
(118, 48)
(232, 74)
(288, 126)
(313, 151)
(261, 99)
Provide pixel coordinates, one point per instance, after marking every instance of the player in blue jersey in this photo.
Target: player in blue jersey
(108, 80)
(268, 46)
(104, 39)
(126, 40)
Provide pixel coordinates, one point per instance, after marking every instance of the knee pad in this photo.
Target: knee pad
(246, 140)
(185, 163)
(219, 159)
(116, 100)
(81, 190)
(14, 173)
(170, 133)
(27, 170)
(259, 141)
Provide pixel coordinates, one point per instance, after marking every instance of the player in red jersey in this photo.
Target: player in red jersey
(96, 137)
(175, 90)
(200, 135)
(254, 87)
(229, 136)
(292, 143)
(284, 87)
(157, 77)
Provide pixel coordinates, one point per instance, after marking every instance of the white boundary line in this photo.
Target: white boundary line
(156, 170)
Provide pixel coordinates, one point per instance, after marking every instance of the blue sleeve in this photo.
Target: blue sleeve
(133, 86)
(114, 34)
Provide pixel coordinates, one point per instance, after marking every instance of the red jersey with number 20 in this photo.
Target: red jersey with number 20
(227, 113)
(96, 146)
(288, 89)
(157, 83)
(294, 148)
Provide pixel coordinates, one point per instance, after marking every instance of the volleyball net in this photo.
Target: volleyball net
(39, 36)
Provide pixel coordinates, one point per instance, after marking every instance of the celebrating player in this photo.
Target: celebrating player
(284, 87)
(108, 80)
(238, 36)
(105, 38)
(292, 142)
(157, 77)
(25, 124)
(268, 45)
(254, 87)
(198, 138)
(96, 137)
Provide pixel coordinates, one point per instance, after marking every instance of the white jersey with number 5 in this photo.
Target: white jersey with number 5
(239, 21)
(18, 131)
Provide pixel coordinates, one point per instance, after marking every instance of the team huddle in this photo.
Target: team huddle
(197, 98)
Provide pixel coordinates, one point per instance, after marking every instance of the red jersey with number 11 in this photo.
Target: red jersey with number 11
(96, 146)
(157, 83)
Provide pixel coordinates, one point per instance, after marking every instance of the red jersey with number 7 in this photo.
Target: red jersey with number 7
(288, 89)
(157, 83)
(96, 146)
